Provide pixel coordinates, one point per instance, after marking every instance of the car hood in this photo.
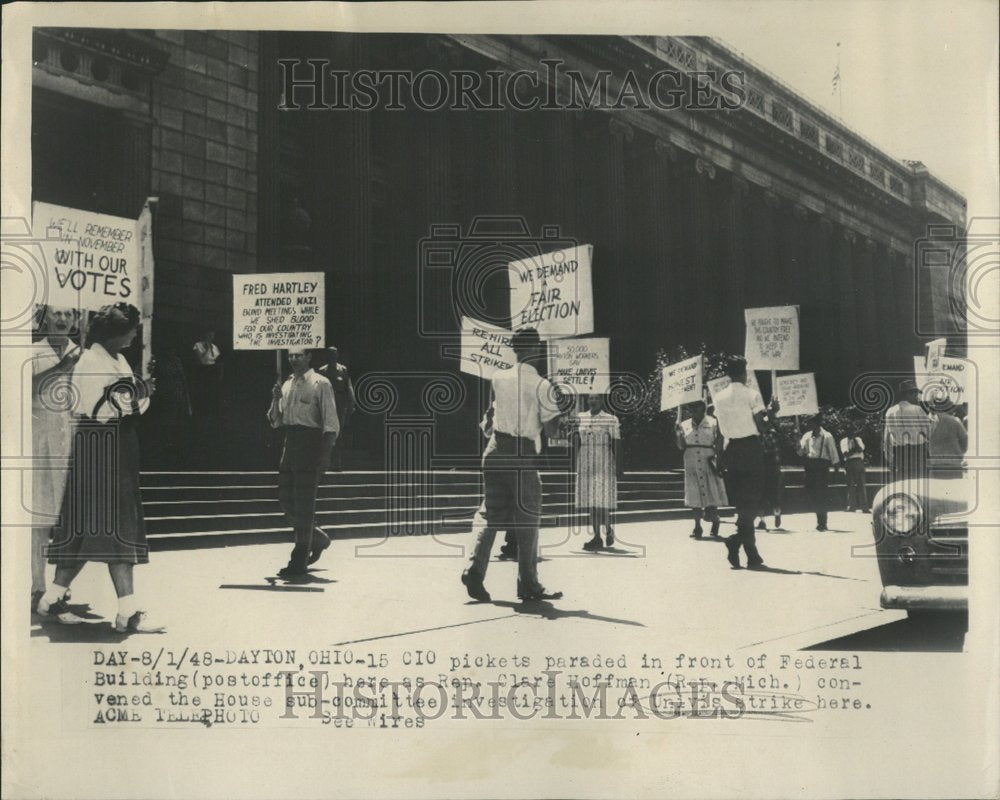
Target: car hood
(940, 495)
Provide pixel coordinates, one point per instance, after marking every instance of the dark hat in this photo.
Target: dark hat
(907, 386)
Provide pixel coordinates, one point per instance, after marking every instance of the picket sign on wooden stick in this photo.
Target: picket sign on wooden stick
(774, 383)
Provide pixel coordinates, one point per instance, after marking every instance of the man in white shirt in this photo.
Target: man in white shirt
(741, 414)
(524, 404)
(819, 453)
(852, 453)
(305, 408)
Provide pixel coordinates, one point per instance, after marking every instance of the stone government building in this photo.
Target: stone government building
(693, 214)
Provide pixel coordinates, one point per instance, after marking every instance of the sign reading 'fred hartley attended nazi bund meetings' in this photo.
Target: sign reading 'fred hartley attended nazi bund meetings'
(278, 310)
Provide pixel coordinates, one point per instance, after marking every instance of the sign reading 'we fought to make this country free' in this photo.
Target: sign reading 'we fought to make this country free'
(278, 310)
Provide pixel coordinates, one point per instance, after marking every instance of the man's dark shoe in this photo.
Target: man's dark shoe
(777, 520)
(762, 526)
(755, 565)
(594, 544)
(474, 586)
(732, 553)
(822, 528)
(540, 594)
(292, 572)
(715, 528)
(318, 551)
(696, 533)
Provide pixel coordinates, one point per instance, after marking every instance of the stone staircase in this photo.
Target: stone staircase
(186, 510)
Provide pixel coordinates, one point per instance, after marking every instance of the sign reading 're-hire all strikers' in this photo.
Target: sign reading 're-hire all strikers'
(278, 310)
(486, 349)
(91, 260)
(552, 293)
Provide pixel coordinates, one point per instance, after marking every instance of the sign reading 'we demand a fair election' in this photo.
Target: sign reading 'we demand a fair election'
(278, 310)
(90, 260)
(552, 293)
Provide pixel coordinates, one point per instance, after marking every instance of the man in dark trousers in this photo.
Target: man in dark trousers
(819, 454)
(524, 404)
(305, 408)
(741, 414)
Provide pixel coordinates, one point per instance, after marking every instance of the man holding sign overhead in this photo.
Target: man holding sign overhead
(741, 412)
(305, 408)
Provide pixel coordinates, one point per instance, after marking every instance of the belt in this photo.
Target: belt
(512, 437)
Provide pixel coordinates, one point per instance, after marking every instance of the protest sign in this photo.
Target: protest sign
(681, 383)
(580, 366)
(772, 338)
(91, 260)
(797, 395)
(552, 293)
(485, 349)
(278, 310)
(933, 353)
(952, 375)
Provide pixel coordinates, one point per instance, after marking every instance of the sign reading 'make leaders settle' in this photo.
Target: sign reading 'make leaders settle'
(552, 293)
(90, 260)
(278, 310)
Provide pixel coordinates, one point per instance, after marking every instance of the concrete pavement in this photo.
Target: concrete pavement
(657, 588)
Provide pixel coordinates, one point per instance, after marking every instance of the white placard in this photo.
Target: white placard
(582, 366)
(797, 394)
(91, 260)
(772, 338)
(681, 383)
(933, 353)
(552, 293)
(952, 374)
(279, 310)
(485, 349)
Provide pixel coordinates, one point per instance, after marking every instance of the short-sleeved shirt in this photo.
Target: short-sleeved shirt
(702, 435)
(104, 387)
(735, 407)
(845, 447)
(523, 401)
(308, 400)
(819, 446)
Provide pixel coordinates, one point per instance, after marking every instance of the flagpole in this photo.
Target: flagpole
(840, 90)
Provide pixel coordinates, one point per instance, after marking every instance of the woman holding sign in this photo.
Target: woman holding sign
(704, 491)
(596, 444)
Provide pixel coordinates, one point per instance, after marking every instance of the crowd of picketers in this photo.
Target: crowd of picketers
(86, 403)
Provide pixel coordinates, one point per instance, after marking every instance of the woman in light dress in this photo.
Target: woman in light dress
(597, 445)
(102, 516)
(704, 491)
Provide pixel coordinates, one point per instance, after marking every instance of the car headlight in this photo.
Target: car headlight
(901, 514)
